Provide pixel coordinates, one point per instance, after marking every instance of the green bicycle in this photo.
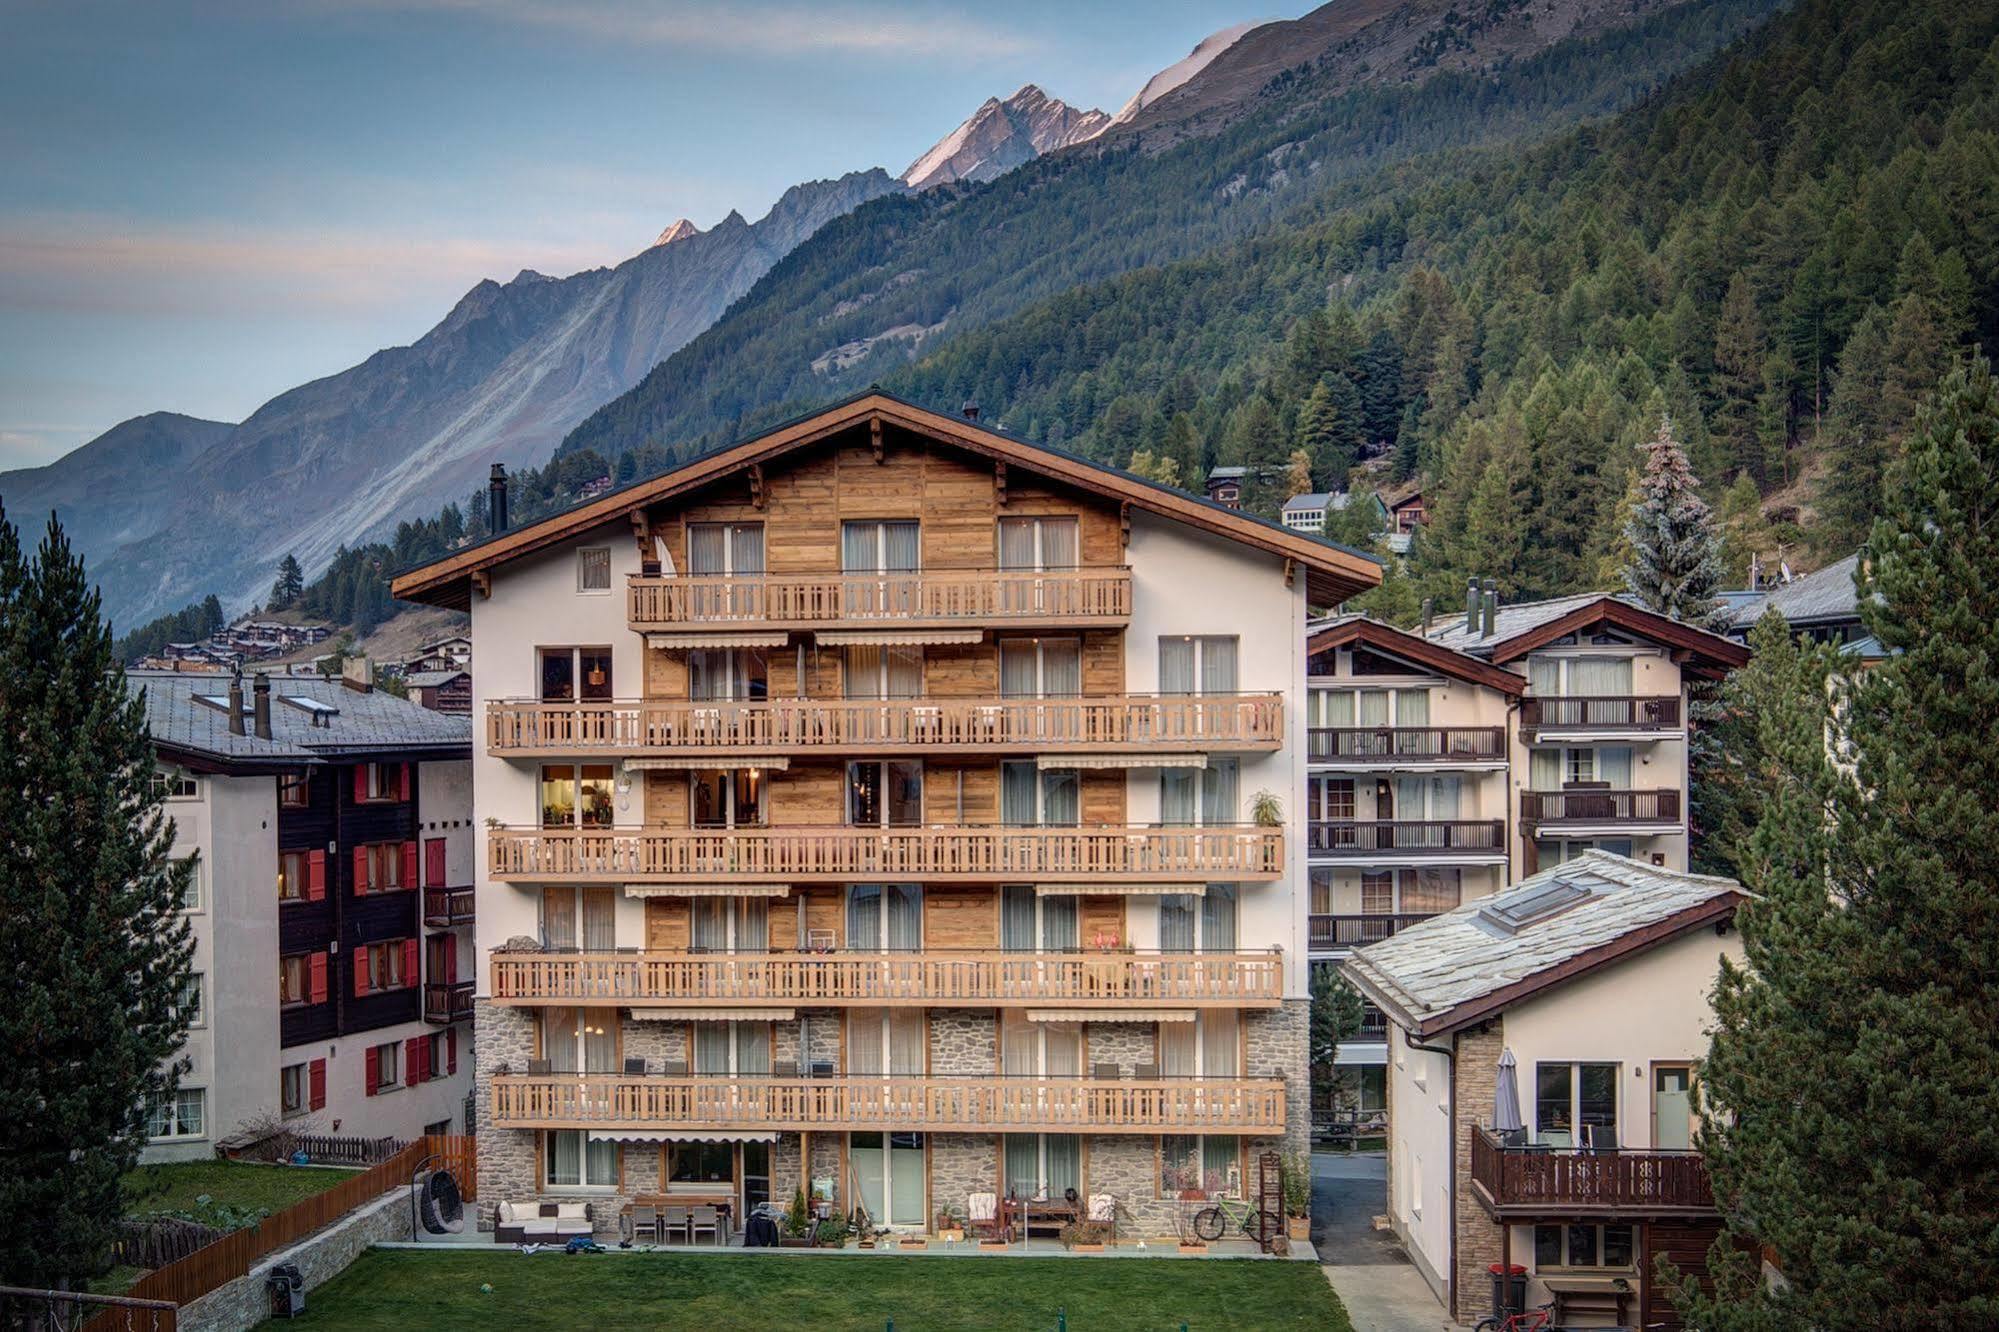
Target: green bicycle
(1211, 1223)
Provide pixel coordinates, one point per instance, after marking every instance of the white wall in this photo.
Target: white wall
(401, 1112)
(1419, 1145)
(444, 809)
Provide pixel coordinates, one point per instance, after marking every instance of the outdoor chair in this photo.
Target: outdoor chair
(673, 1068)
(635, 1068)
(1513, 1138)
(704, 1218)
(674, 1222)
(982, 1217)
(1103, 1210)
(1560, 1140)
(784, 1068)
(645, 1224)
(537, 1068)
(1145, 1072)
(1600, 1137)
(1104, 1072)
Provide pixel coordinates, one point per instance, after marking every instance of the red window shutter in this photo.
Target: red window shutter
(316, 1078)
(423, 1044)
(361, 869)
(315, 967)
(315, 876)
(409, 962)
(409, 865)
(403, 783)
(449, 952)
(433, 862)
(412, 1061)
(450, 1050)
(360, 782)
(374, 1069)
(360, 956)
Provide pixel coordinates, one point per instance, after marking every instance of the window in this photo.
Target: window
(725, 548)
(885, 917)
(1037, 543)
(1030, 1049)
(1199, 796)
(1042, 1165)
(578, 1161)
(577, 796)
(883, 672)
(593, 569)
(885, 794)
(725, 924)
(292, 1089)
(580, 1040)
(584, 918)
(190, 897)
(1583, 1246)
(440, 1061)
(1332, 798)
(1552, 851)
(1590, 677)
(1551, 769)
(885, 1042)
(378, 782)
(1034, 797)
(1190, 665)
(188, 1005)
(728, 674)
(879, 547)
(570, 673)
(1208, 1047)
(387, 1059)
(181, 1113)
(1210, 1166)
(727, 797)
(294, 978)
(700, 1163)
(175, 784)
(386, 965)
(1041, 667)
(294, 875)
(294, 791)
(379, 868)
(730, 1049)
(1569, 1097)
(1206, 923)
(1344, 708)
(1030, 922)
(438, 1129)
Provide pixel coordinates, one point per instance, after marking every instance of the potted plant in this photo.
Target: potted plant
(832, 1233)
(797, 1223)
(950, 1226)
(1085, 1236)
(1297, 1196)
(1265, 810)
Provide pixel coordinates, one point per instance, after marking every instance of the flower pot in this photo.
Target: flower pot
(1193, 1246)
(951, 1236)
(992, 1244)
(1086, 1248)
(913, 1242)
(1298, 1227)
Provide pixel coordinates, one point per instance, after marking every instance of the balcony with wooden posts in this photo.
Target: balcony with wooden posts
(1334, 933)
(445, 1002)
(1408, 841)
(445, 907)
(723, 730)
(610, 1102)
(1121, 853)
(1587, 807)
(1376, 748)
(929, 598)
(983, 978)
(1587, 717)
(1529, 1182)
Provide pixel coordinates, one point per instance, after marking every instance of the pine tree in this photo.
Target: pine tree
(92, 941)
(1298, 474)
(290, 583)
(1155, 467)
(1855, 1123)
(1733, 771)
(1738, 378)
(1675, 564)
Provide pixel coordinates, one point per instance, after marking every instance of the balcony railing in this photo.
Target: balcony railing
(1135, 722)
(910, 1104)
(1550, 808)
(986, 978)
(1444, 838)
(982, 597)
(1123, 852)
(447, 1001)
(1658, 712)
(1531, 1181)
(1332, 932)
(445, 907)
(1389, 746)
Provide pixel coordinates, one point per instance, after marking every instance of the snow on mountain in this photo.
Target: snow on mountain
(680, 230)
(1001, 135)
(1177, 73)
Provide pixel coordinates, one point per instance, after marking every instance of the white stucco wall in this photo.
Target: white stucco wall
(1419, 1144)
(444, 809)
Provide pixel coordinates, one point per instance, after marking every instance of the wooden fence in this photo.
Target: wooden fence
(320, 1148)
(159, 1240)
(214, 1265)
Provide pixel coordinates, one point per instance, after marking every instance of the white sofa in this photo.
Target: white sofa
(540, 1222)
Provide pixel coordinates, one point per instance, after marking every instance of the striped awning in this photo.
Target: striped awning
(721, 638)
(1110, 1015)
(676, 763)
(1120, 889)
(676, 1135)
(897, 637)
(707, 890)
(1120, 761)
(657, 1013)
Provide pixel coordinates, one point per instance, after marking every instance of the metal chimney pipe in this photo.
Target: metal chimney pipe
(260, 713)
(970, 411)
(236, 701)
(1471, 605)
(496, 499)
(1491, 608)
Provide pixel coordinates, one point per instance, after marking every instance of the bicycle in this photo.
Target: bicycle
(1538, 1319)
(1211, 1223)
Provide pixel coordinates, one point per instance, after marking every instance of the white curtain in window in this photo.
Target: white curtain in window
(1020, 671)
(749, 551)
(1218, 673)
(1220, 1039)
(558, 917)
(1544, 676)
(1412, 707)
(1339, 708)
(1061, 797)
(859, 543)
(1432, 889)
(1179, 795)
(600, 1156)
(1020, 1043)
(711, 1047)
(1061, 667)
(1065, 1163)
(905, 672)
(710, 927)
(1444, 795)
(905, 916)
(1218, 792)
(1017, 919)
(1176, 923)
(1176, 665)
(752, 924)
(905, 1042)
(706, 549)
(1016, 543)
(863, 675)
(752, 1048)
(565, 1157)
(1409, 798)
(1058, 923)
(558, 1039)
(1177, 1050)
(1374, 707)
(600, 920)
(1023, 1165)
(1544, 770)
(1018, 783)
(864, 917)
(1058, 543)
(1218, 918)
(864, 1042)
(1613, 765)
(1062, 1043)
(1598, 677)
(600, 1040)
(899, 547)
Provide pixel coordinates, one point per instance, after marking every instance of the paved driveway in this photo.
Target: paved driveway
(1382, 1292)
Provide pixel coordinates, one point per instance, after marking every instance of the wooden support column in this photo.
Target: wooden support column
(1124, 525)
(757, 494)
(999, 482)
(482, 583)
(875, 436)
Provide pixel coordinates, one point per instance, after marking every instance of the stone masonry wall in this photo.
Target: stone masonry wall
(321, 1256)
(964, 1042)
(1278, 1043)
(962, 1164)
(503, 1037)
(1126, 1044)
(1475, 1073)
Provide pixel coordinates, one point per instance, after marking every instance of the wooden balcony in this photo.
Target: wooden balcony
(445, 1002)
(1128, 723)
(1336, 933)
(1580, 715)
(963, 853)
(970, 598)
(445, 907)
(609, 1101)
(1410, 840)
(982, 978)
(1560, 811)
(1528, 1182)
(1405, 746)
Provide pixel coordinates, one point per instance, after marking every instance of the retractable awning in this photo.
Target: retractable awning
(1110, 1015)
(1120, 889)
(707, 890)
(897, 637)
(1120, 761)
(674, 1135)
(720, 638)
(665, 1014)
(677, 763)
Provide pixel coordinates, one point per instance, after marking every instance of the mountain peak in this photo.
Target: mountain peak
(1177, 73)
(680, 230)
(1001, 135)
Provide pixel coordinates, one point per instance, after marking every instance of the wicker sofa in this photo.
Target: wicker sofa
(541, 1222)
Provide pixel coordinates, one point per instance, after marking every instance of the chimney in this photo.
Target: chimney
(358, 673)
(1429, 609)
(236, 699)
(496, 500)
(261, 713)
(1471, 605)
(970, 411)
(1491, 609)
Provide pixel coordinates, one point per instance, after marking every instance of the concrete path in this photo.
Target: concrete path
(1366, 1267)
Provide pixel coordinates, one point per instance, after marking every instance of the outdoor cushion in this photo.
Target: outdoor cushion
(572, 1211)
(540, 1226)
(551, 1209)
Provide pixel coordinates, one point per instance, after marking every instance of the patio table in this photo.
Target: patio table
(1050, 1211)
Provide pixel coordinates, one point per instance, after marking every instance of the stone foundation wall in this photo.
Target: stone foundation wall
(503, 1037)
(321, 1256)
(962, 1164)
(1126, 1044)
(1475, 1074)
(1278, 1046)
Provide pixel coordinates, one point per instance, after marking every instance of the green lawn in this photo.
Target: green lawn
(239, 1186)
(402, 1288)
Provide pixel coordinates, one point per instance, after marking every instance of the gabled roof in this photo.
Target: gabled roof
(1826, 596)
(371, 724)
(1342, 630)
(1334, 572)
(1470, 963)
(1522, 628)
(435, 679)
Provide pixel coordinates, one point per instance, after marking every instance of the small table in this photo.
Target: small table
(1052, 1211)
(1583, 1294)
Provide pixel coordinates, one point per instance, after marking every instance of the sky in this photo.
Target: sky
(203, 204)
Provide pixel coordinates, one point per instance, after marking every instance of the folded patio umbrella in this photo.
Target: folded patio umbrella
(1506, 1096)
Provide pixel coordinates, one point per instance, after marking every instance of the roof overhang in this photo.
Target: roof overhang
(1443, 660)
(1332, 573)
(1698, 651)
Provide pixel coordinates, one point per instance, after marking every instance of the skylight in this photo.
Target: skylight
(1514, 914)
(310, 706)
(220, 702)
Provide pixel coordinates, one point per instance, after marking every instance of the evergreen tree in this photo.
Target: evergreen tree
(1855, 1118)
(1675, 564)
(1336, 1014)
(1733, 769)
(290, 584)
(1155, 467)
(1298, 474)
(92, 940)
(1738, 379)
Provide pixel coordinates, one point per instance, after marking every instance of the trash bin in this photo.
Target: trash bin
(287, 1291)
(1509, 1289)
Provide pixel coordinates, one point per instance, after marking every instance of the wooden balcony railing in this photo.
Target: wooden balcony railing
(984, 597)
(1136, 722)
(447, 1001)
(1387, 746)
(444, 907)
(1599, 807)
(911, 1104)
(985, 978)
(1330, 932)
(1124, 852)
(1537, 1181)
(1658, 712)
(1340, 838)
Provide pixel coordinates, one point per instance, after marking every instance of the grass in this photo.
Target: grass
(402, 1288)
(237, 1186)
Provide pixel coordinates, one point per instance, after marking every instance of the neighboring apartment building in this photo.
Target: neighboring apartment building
(331, 908)
(1543, 1048)
(867, 807)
